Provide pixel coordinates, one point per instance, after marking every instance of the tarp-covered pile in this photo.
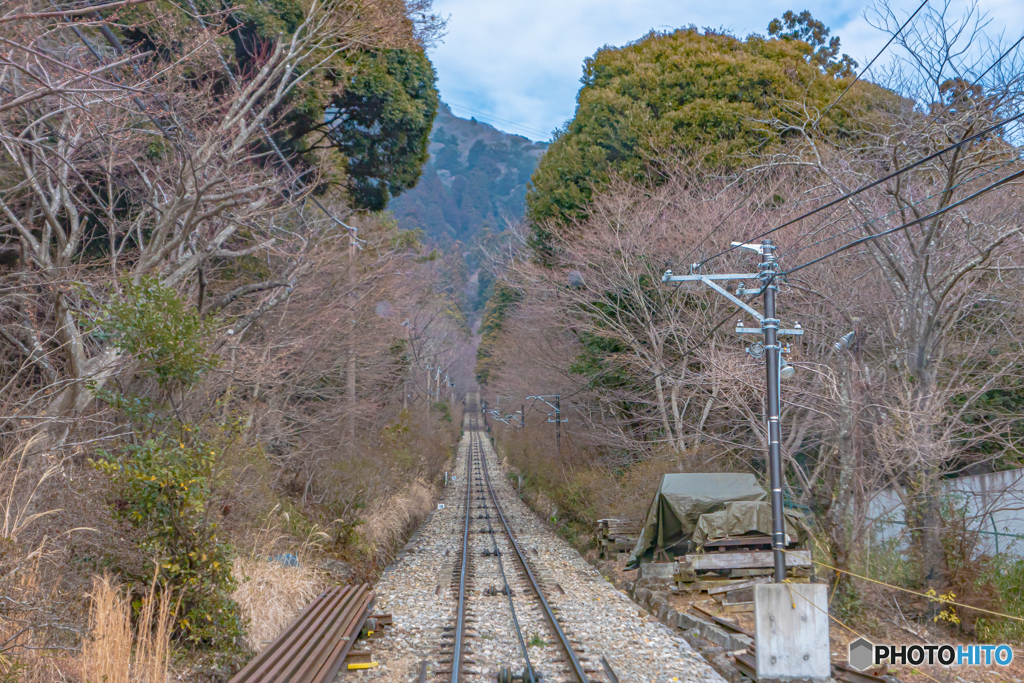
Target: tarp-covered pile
(704, 507)
(742, 518)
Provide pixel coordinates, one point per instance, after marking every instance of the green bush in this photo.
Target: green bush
(1007, 574)
(166, 470)
(165, 479)
(150, 323)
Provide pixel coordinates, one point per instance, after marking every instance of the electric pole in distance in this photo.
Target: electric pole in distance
(776, 367)
(557, 412)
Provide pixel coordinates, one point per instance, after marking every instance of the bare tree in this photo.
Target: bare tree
(947, 277)
(128, 167)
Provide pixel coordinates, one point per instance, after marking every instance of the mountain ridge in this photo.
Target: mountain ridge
(477, 176)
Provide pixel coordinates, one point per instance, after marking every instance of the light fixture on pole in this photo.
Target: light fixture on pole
(776, 367)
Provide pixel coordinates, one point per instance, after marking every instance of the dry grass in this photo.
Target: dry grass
(24, 637)
(270, 595)
(17, 494)
(107, 655)
(389, 519)
(32, 638)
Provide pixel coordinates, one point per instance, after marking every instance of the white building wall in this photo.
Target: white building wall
(995, 507)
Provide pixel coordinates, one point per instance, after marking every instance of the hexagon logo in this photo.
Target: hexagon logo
(861, 654)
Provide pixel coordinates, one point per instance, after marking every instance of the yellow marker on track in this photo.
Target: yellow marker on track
(364, 665)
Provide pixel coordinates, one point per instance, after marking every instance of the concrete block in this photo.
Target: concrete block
(692, 638)
(687, 622)
(658, 570)
(791, 630)
(718, 636)
(725, 668)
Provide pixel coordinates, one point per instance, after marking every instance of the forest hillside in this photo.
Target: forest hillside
(477, 176)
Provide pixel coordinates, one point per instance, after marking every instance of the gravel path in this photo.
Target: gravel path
(597, 618)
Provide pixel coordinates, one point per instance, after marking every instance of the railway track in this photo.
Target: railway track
(485, 591)
(493, 571)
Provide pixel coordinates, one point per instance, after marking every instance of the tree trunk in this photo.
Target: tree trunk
(663, 410)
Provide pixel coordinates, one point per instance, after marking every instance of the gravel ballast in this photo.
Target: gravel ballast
(600, 620)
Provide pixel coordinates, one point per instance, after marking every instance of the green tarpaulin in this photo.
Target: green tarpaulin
(743, 517)
(680, 501)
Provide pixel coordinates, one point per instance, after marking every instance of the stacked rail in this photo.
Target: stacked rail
(616, 536)
(313, 647)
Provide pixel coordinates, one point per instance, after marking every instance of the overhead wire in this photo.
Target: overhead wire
(492, 117)
(721, 223)
(820, 117)
(953, 102)
(917, 221)
(794, 251)
(873, 60)
(818, 120)
(903, 169)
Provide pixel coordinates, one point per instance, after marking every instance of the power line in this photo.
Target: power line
(873, 59)
(820, 117)
(497, 119)
(899, 210)
(875, 183)
(916, 221)
(956, 100)
(906, 168)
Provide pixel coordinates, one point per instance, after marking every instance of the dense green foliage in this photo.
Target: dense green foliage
(381, 124)
(806, 28)
(374, 107)
(495, 313)
(165, 472)
(477, 176)
(152, 325)
(674, 93)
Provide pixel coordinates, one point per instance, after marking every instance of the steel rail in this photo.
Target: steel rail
(501, 566)
(460, 618)
(563, 640)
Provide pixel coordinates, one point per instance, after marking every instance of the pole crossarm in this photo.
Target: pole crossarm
(771, 350)
(709, 280)
(497, 416)
(544, 399)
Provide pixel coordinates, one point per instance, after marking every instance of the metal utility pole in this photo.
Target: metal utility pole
(427, 397)
(557, 412)
(558, 424)
(773, 361)
(775, 367)
(405, 382)
(350, 371)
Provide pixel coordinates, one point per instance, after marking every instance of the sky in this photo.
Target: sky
(517, 65)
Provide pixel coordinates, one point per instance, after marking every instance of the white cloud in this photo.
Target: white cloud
(517, 65)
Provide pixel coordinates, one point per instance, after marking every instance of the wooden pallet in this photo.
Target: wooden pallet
(616, 536)
(722, 572)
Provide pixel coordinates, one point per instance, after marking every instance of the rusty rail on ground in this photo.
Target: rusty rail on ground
(313, 647)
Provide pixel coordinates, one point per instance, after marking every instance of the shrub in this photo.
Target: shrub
(166, 470)
(165, 478)
(150, 323)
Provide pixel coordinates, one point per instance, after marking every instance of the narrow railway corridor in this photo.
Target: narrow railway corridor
(582, 631)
